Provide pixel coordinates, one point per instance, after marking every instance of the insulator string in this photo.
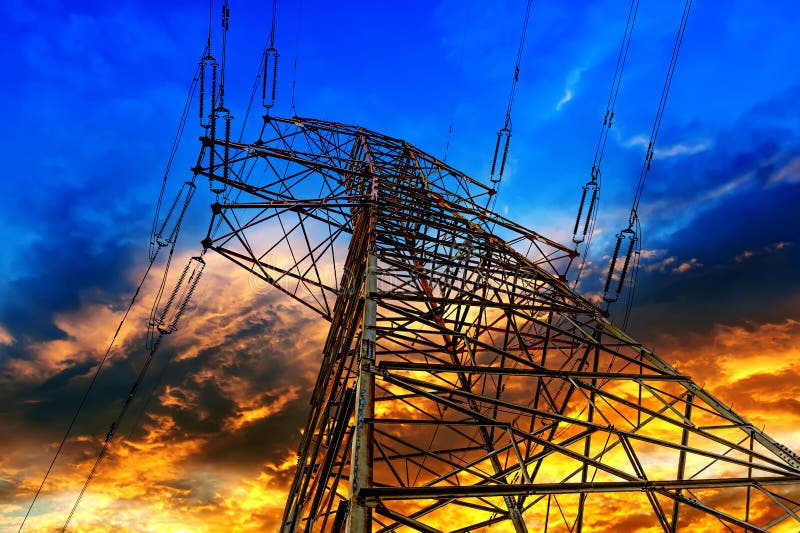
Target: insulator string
(89, 387)
(226, 13)
(504, 134)
(637, 254)
(270, 63)
(584, 227)
(633, 228)
(157, 242)
(181, 295)
(197, 78)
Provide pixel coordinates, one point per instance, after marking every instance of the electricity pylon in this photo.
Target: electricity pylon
(463, 385)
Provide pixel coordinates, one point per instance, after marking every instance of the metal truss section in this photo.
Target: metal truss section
(463, 386)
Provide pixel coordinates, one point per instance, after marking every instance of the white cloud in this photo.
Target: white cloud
(5, 337)
(681, 149)
(564, 99)
(686, 266)
(729, 186)
(675, 150)
(662, 265)
(669, 263)
(569, 87)
(765, 250)
(652, 254)
(789, 173)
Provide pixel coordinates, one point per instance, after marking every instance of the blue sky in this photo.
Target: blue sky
(93, 93)
(97, 91)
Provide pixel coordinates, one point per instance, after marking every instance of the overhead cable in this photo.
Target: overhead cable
(618, 270)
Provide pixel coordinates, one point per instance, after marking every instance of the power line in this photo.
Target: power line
(292, 108)
(167, 323)
(660, 112)
(160, 237)
(504, 134)
(270, 58)
(88, 390)
(632, 233)
(173, 151)
(584, 228)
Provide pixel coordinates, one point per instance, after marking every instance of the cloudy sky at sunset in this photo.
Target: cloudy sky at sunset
(93, 94)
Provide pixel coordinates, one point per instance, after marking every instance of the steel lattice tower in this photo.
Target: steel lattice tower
(463, 385)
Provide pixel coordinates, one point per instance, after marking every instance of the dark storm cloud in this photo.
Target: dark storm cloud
(63, 274)
(263, 367)
(45, 409)
(739, 244)
(84, 148)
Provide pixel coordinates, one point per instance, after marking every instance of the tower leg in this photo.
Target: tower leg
(360, 517)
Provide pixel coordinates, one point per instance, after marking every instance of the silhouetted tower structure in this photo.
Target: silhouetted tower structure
(463, 385)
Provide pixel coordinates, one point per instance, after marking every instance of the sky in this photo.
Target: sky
(94, 92)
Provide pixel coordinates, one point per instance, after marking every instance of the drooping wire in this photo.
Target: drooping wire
(171, 240)
(89, 388)
(173, 151)
(270, 59)
(179, 300)
(181, 295)
(633, 231)
(220, 111)
(504, 135)
(292, 108)
(160, 237)
(505, 131)
(261, 79)
(616, 82)
(660, 112)
(584, 227)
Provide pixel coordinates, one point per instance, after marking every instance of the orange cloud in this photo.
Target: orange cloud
(752, 367)
(161, 478)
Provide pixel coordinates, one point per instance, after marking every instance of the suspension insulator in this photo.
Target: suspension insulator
(503, 133)
(494, 159)
(575, 238)
(202, 91)
(592, 206)
(208, 78)
(214, 68)
(212, 149)
(590, 190)
(629, 235)
(270, 78)
(590, 213)
(168, 231)
(612, 267)
(167, 321)
(505, 156)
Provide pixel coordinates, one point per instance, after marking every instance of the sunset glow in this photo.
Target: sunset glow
(209, 442)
